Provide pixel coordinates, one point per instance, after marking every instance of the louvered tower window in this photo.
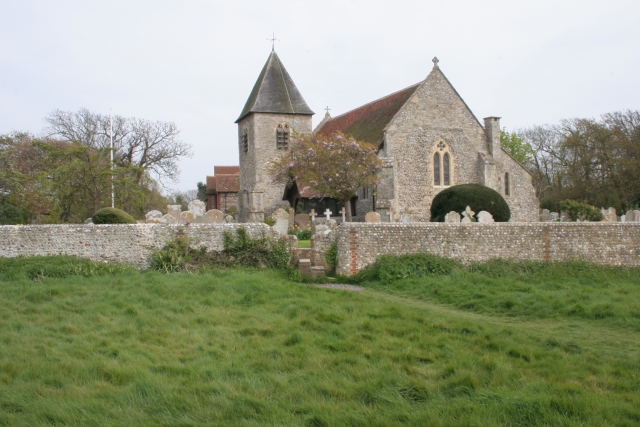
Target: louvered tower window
(245, 141)
(283, 133)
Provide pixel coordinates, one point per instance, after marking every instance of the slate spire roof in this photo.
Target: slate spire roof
(275, 92)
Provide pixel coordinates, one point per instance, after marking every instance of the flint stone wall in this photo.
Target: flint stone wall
(617, 244)
(121, 243)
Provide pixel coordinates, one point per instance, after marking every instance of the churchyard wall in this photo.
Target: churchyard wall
(360, 244)
(122, 243)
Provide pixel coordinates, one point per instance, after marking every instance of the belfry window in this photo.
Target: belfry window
(507, 184)
(283, 133)
(442, 165)
(245, 141)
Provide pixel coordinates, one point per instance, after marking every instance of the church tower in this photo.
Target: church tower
(275, 109)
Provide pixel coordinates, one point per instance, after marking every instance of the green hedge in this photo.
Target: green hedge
(112, 216)
(476, 196)
(581, 211)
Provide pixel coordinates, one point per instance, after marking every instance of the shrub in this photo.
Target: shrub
(389, 268)
(332, 257)
(58, 266)
(476, 196)
(301, 233)
(270, 221)
(112, 216)
(581, 211)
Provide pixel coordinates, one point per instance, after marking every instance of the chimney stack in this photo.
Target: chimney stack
(492, 129)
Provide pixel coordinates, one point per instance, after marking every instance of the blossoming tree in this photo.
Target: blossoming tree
(334, 166)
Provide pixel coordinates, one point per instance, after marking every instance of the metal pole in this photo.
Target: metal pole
(113, 193)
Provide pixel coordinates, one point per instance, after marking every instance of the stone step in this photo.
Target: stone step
(304, 265)
(304, 253)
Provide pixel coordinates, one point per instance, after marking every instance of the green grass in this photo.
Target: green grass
(304, 244)
(250, 348)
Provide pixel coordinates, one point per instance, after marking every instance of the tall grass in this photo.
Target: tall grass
(249, 348)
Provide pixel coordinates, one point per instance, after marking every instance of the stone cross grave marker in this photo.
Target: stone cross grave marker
(467, 215)
(372, 217)
(343, 211)
(328, 214)
(313, 215)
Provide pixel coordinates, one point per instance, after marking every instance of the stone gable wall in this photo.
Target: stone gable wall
(122, 243)
(359, 245)
(436, 112)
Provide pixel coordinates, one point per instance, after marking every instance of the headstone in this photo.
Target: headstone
(328, 214)
(632, 216)
(554, 216)
(564, 217)
(282, 221)
(292, 217)
(452, 217)
(197, 207)
(485, 217)
(313, 215)
(343, 211)
(228, 219)
(332, 223)
(88, 221)
(322, 229)
(372, 217)
(405, 218)
(545, 215)
(187, 216)
(610, 215)
(174, 211)
(390, 213)
(151, 216)
(216, 216)
(467, 215)
(302, 220)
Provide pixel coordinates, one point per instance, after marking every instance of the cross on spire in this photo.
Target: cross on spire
(435, 61)
(327, 109)
(273, 41)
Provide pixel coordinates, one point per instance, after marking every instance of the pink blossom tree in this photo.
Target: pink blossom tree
(333, 166)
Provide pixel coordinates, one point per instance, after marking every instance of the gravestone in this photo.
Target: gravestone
(228, 219)
(282, 221)
(632, 216)
(485, 217)
(169, 219)
(554, 216)
(292, 217)
(187, 216)
(343, 211)
(564, 217)
(610, 215)
(174, 211)
(197, 207)
(152, 217)
(545, 215)
(372, 217)
(322, 229)
(302, 220)
(467, 215)
(452, 217)
(216, 216)
(331, 223)
(405, 218)
(328, 213)
(88, 221)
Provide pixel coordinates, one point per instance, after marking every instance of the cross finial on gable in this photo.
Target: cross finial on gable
(435, 61)
(273, 41)
(327, 109)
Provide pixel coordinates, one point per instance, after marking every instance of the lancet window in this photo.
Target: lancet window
(442, 165)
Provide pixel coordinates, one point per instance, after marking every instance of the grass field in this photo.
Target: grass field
(85, 344)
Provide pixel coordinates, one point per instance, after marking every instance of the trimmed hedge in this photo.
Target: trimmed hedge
(112, 216)
(581, 211)
(476, 196)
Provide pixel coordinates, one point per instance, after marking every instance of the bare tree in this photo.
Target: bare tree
(152, 146)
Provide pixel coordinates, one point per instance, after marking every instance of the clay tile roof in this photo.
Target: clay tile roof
(227, 183)
(367, 123)
(226, 170)
(275, 92)
(211, 185)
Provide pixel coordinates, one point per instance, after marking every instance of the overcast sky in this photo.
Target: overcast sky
(195, 62)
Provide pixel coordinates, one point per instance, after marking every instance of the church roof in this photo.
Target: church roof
(367, 123)
(275, 92)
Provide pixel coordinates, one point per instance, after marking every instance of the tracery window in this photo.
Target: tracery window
(283, 133)
(507, 184)
(442, 165)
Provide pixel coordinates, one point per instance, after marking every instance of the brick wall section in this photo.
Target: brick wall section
(360, 244)
(126, 244)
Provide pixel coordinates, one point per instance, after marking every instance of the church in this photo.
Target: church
(427, 137)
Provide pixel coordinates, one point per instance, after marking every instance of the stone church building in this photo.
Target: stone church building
(427, 136)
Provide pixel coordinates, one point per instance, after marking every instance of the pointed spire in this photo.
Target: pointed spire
(275, 92)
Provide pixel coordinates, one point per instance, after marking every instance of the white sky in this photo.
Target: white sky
(194, 62)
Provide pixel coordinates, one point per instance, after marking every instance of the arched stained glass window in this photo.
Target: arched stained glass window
(445, 169)
(436, 169)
